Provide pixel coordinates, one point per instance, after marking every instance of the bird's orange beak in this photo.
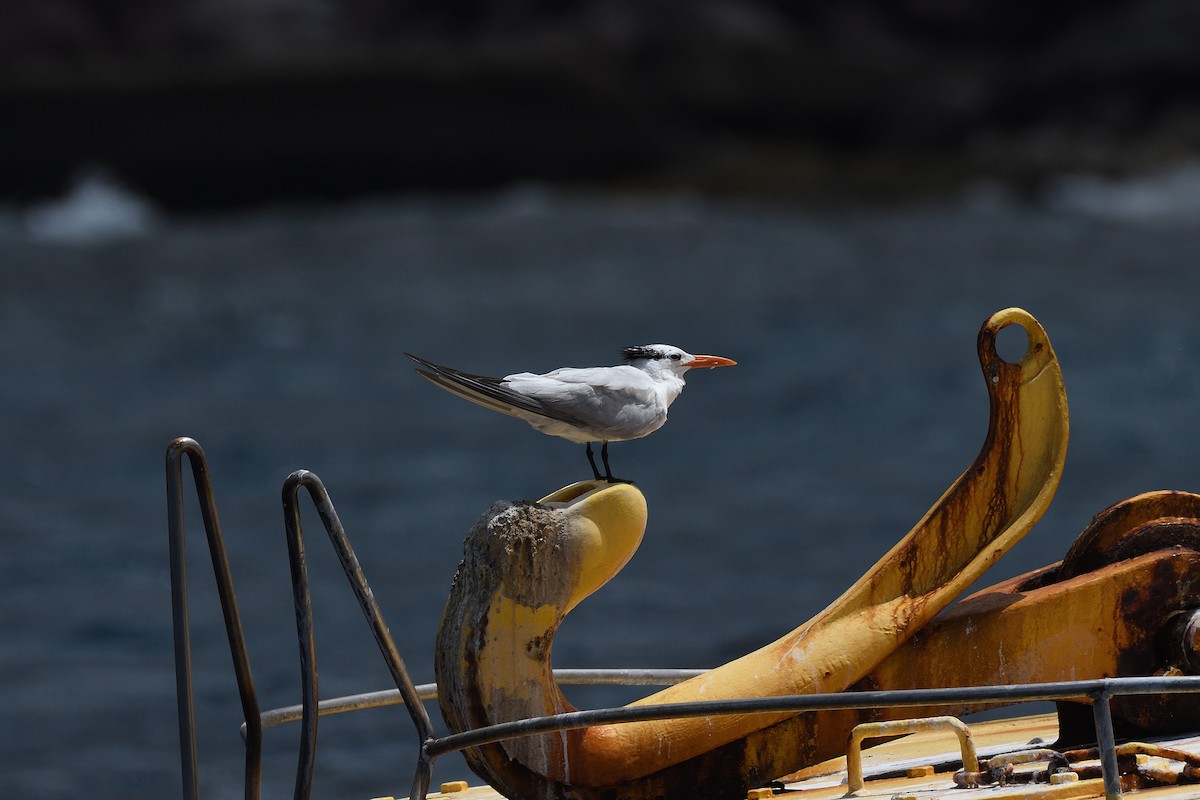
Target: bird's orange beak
(700, 362)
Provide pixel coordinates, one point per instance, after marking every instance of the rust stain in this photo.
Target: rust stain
(995, 501)
(1148, 607)
(1092, 548)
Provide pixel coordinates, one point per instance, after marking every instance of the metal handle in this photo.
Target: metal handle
(872, 730)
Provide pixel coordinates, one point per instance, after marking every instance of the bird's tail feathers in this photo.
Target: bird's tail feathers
(466, 393)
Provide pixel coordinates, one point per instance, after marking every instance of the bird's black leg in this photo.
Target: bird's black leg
(592, 459)
(604, 457)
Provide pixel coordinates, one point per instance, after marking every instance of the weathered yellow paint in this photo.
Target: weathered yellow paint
(525, 568)
(605, 521)
(987, 510)
(505, 658)
(991, 506)
(1021, 632)
(826, 781)
(1106, 610)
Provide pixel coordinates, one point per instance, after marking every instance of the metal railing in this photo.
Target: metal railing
(181, 624)
(428, 691)
(304, 625)
(1099, 692)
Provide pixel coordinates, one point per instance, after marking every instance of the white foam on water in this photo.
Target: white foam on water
(1166, 196)
(97, 208)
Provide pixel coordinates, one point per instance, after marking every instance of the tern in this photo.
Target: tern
(588, 404)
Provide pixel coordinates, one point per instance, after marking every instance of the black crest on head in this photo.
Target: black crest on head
(641, 351)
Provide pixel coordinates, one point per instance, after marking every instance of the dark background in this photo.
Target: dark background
(229, 220)
(202, 104)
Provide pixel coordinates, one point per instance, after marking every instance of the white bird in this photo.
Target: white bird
(584, 405)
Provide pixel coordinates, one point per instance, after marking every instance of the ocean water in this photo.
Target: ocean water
(276, 337)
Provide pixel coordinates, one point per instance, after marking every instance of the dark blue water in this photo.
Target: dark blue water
(276, 339)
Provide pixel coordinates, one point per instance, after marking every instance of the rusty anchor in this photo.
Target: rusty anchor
(1121, 589)
(1123, 602)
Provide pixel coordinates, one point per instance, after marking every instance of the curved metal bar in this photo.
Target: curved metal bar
(1106, 741)
(428, 691)
(1099, 691)
(302, 601)
(176, 450)
(1059, 690)
(624, 676)
(304, 624)
(179, 618)
(874, 730)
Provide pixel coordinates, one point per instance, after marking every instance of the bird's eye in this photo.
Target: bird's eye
(675, 356)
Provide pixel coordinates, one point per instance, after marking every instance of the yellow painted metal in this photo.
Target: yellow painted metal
(493, 650)
(987, 510)
(1097, 625)
(605, 523)
(449, 791)
(919, 748)
(875, 730)
(1162, 762)
(525, 568)
(1107, 610)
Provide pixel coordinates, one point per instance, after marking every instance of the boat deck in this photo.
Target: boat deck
(922, 766)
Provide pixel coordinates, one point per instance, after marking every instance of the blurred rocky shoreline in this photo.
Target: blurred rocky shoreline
(221, 103)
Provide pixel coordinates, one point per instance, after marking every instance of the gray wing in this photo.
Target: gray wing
(489, 392)
(614, 402)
